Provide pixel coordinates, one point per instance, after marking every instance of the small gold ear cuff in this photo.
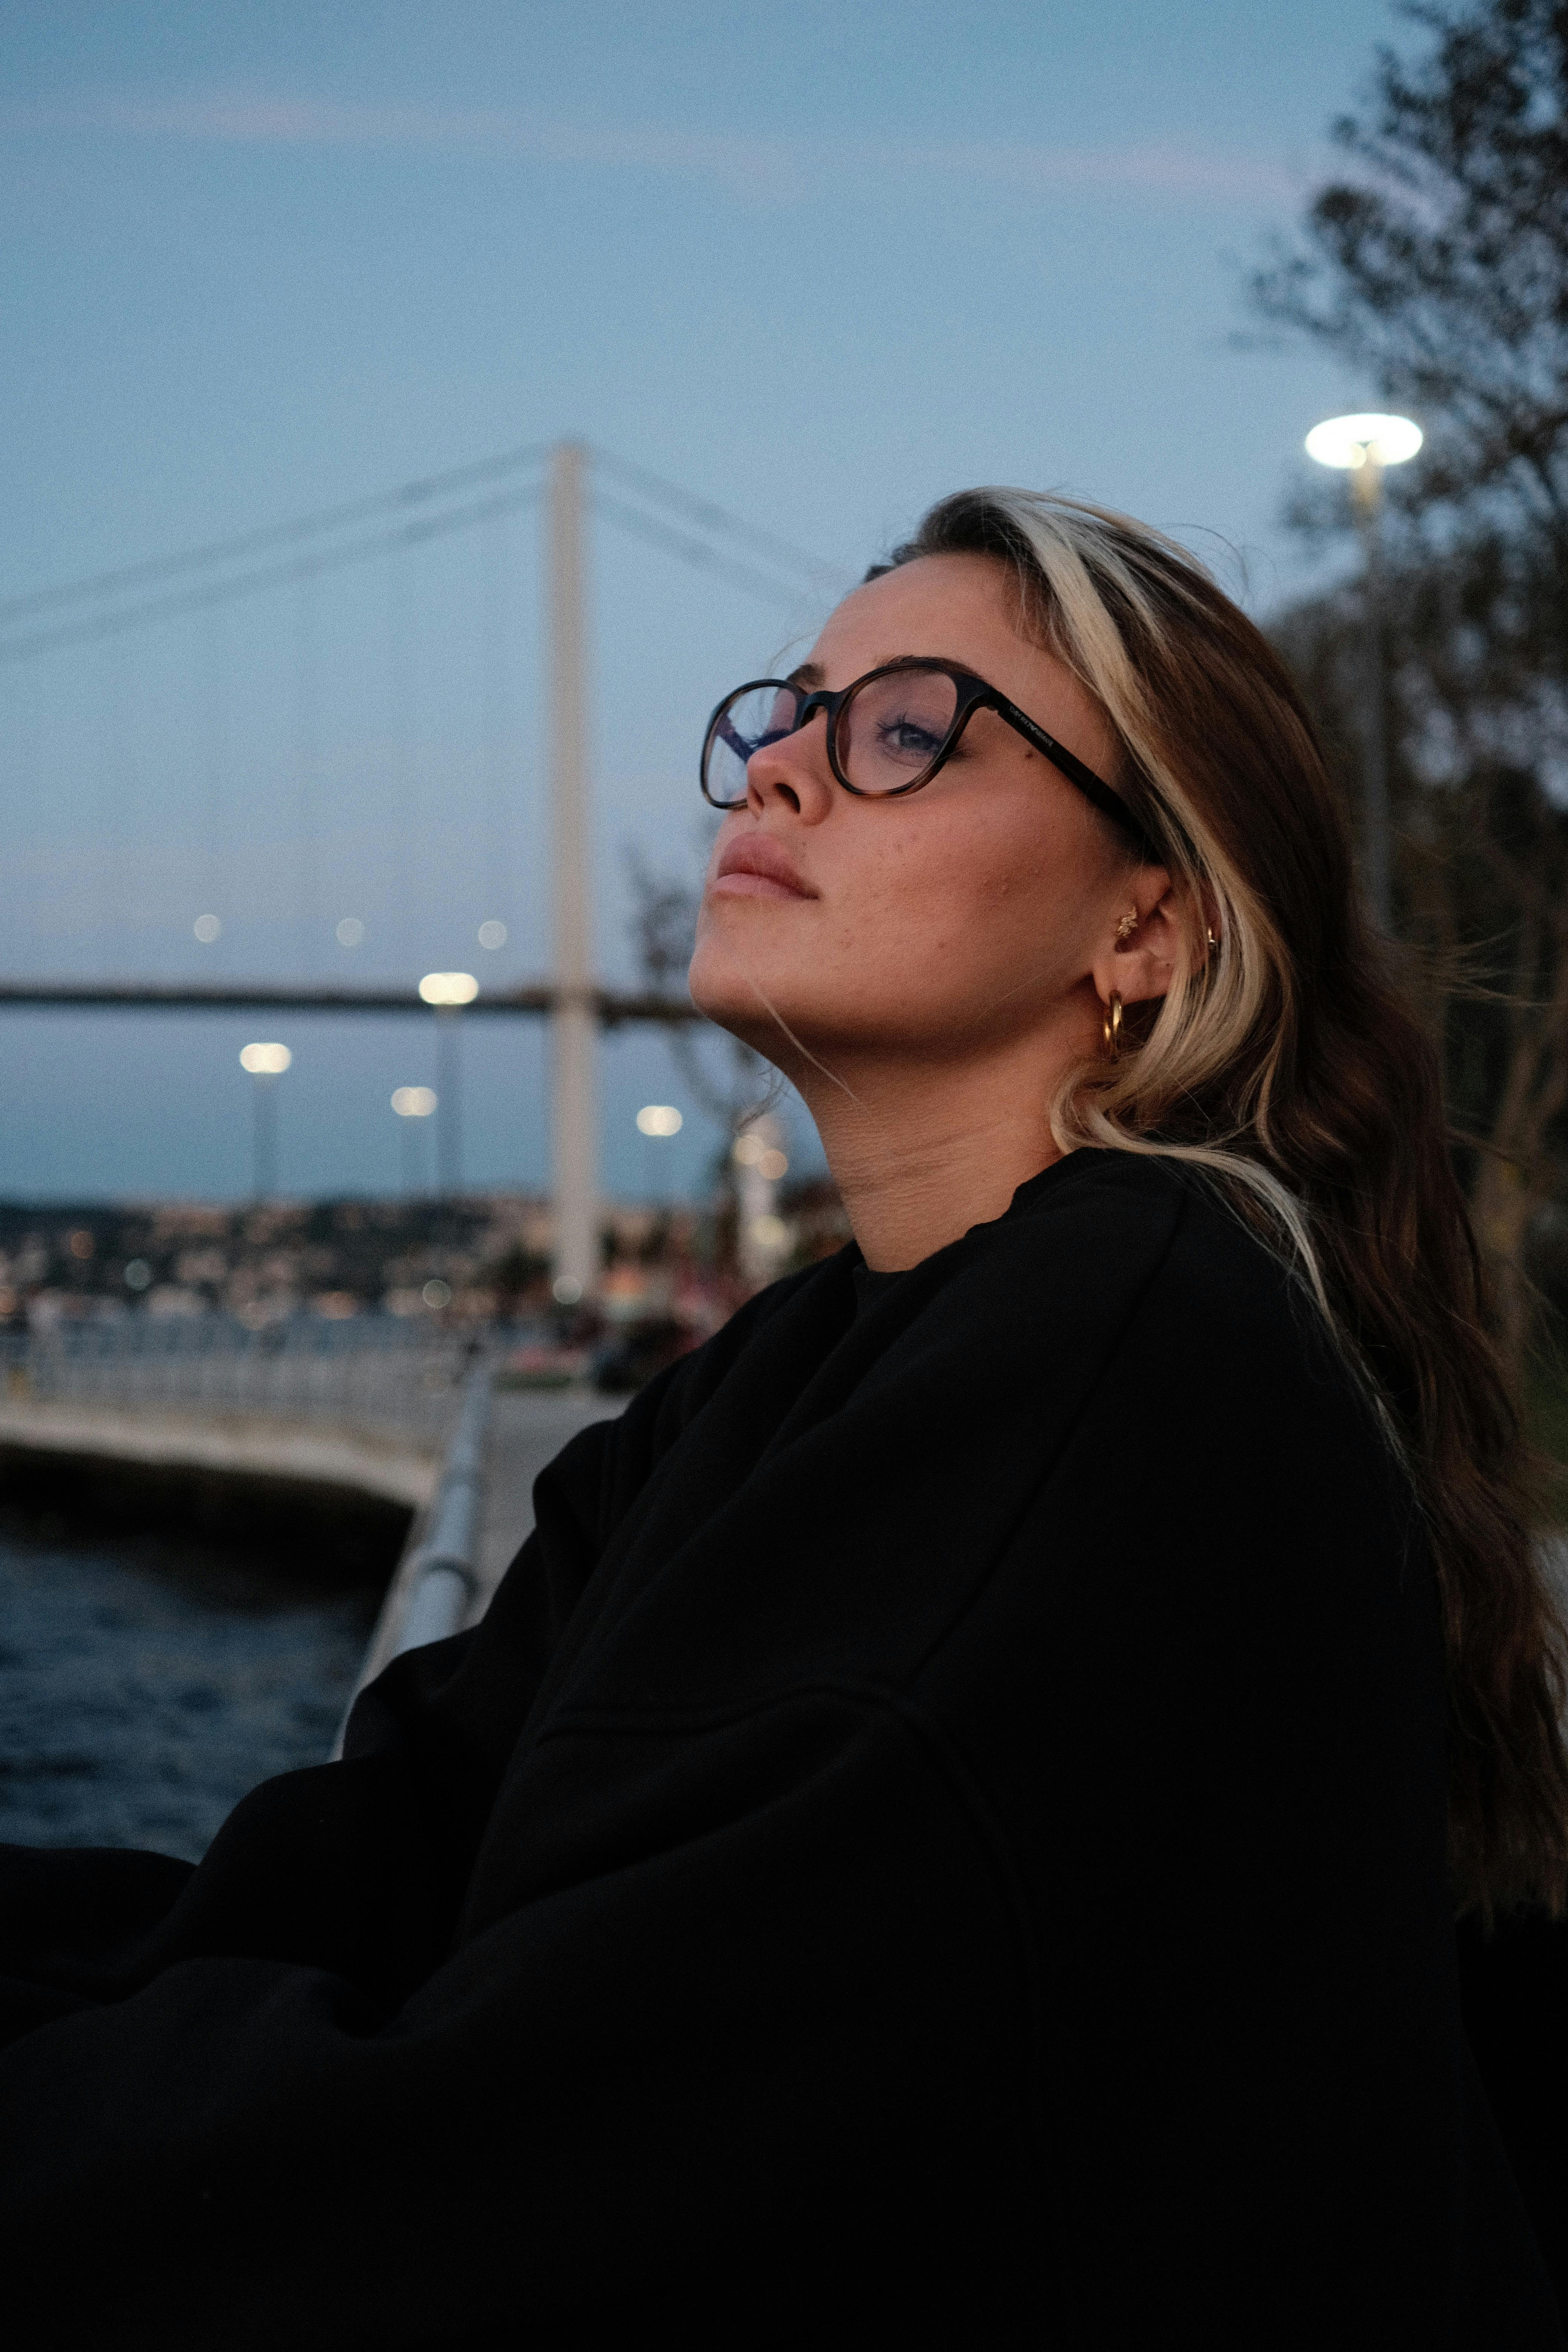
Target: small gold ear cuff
(1125, 928)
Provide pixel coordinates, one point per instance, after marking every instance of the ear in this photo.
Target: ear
(1150, 941)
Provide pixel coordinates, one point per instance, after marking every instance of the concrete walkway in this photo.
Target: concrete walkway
(527, 1427)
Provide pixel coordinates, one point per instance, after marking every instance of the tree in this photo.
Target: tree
(1438, 267)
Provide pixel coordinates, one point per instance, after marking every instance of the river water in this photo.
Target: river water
(147, 1681)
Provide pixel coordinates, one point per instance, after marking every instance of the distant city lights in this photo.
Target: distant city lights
(659, 1119)
(493, 934)
(138, 1274)
(413, 1102)
(752, 1151)
(207, 928)
(265, 1061)
(449, 987)
(351, 931)
(436, 1293)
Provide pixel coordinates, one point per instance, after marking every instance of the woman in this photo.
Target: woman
(954, 1825)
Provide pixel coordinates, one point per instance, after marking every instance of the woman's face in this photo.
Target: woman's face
(963, 916)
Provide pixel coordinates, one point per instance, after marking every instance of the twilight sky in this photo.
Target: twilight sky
(818, 265)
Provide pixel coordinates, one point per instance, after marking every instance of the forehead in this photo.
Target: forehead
(950, 606)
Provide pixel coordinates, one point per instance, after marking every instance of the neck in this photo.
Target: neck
(920, 1155)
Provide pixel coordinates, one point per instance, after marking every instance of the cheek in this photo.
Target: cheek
(963, 888)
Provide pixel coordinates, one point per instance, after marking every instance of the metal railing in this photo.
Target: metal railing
(377, 1374)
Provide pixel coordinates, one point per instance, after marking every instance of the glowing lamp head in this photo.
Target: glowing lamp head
(1353, 442)
(265, 1061)
(449, 987)
(413, 1102)
(659, 1119)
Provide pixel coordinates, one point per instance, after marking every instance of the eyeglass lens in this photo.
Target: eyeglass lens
(890, 732)
(763, 714)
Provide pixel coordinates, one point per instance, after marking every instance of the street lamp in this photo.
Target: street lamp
(266, 1064)
(1363, 445)
(449, 992)
(412, 1104)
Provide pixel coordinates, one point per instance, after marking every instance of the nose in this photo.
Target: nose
(794, 771)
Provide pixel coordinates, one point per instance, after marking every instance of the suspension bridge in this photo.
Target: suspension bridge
(300, 783)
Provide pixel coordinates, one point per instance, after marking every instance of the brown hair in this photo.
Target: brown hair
(1290, 1069)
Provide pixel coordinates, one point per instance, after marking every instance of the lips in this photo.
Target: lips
(755, 866)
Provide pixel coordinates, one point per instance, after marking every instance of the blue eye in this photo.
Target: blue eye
(906, 738)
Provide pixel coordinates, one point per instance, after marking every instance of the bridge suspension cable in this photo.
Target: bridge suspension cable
(779, 555)
(717, 520)
(270, 576)
(282, 534)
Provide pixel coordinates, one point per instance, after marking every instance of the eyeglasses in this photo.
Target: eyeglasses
(888, 733)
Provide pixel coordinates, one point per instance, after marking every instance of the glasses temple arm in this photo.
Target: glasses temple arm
(1093, 788)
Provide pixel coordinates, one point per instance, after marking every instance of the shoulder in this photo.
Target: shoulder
(1132, 1279)
(1201, 1263)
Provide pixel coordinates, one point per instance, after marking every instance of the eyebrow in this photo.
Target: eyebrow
(811, 674)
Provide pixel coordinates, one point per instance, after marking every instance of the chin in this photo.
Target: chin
(750, 997)
(720, 990)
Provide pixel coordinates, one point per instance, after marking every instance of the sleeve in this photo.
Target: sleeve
(696, 2082)
(356, 1867)
(1267, 2124)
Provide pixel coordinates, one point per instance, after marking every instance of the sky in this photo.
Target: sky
(816, 265)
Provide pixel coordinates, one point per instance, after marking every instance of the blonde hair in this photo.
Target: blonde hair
(1288, 1067)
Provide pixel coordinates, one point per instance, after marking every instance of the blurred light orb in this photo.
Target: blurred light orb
(265, 1061)
(449, 987)
(566, 1290)
(207, 928)
(493, 934)
(1349, 441)
(769, 1233)
(351, 930)
(436, 1293)
(773, 1165)
(138, 1274)
(659, 1119)
(749, 1152)
(413, 1102)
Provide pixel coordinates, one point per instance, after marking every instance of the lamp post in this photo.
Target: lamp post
(266, 1064)
(1363, 446)
(763, 1237)
(412, 1104)
(573, 1030)
(449, 992)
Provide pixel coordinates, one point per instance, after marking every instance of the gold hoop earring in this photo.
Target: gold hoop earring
(1110, 1027)
(1126, 926)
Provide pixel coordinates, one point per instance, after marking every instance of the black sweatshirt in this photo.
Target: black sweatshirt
(939, 1837)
